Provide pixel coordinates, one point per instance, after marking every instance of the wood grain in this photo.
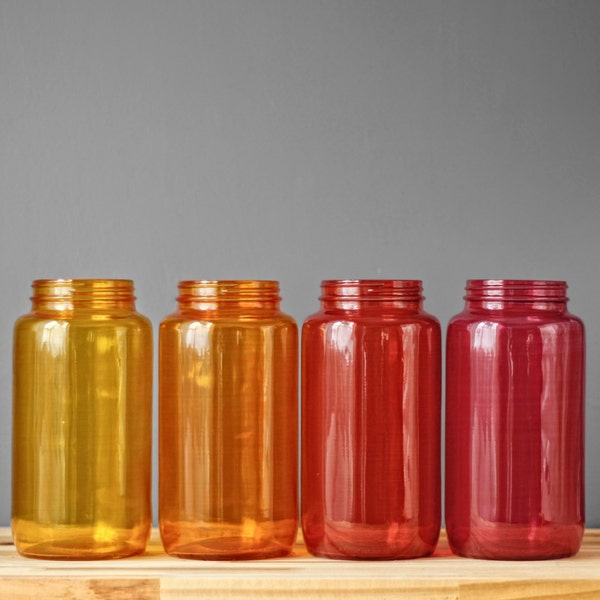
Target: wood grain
(158, 576)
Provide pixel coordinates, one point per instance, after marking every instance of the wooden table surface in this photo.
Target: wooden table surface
(158, 576)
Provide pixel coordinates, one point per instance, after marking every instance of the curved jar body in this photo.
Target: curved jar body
(228, 421)
(82, 411)
(371, 422)
(515, 423)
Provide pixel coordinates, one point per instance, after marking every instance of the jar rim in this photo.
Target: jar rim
(84, 280)
(366, 282)
(372, 289)
(81, 292)
(257, 283)
(521, 283)
(84, 285)
(517, 290)
(224, 290)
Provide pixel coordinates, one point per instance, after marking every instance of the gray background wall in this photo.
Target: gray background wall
(300, 140)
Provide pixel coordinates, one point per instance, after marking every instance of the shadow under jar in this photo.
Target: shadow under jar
(371, 422)
(515, 423)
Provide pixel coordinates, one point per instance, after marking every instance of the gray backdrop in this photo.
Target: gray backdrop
(300, 140)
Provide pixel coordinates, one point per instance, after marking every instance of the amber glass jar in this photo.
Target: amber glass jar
(82, 411)
(371, 422)
(228, 423)
(515, 422)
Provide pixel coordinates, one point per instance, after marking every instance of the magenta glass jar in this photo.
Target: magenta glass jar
(515, 376)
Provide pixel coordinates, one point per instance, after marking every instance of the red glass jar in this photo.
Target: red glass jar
(371, 422)
(515, 423)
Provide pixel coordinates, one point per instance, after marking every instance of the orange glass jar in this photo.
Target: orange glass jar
(228, 411)
(82, 422)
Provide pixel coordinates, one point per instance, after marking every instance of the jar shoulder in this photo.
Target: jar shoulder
(514, 319)
(178, 319)
(128, 320)
(372, 319)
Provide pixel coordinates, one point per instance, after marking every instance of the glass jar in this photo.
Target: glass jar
(228, 411)
(82, 412)
(514, 423)
(371, 422)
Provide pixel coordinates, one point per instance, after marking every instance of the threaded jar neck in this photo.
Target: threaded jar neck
(361, 294)
(62, 295)
(234, 295)
(500, 294)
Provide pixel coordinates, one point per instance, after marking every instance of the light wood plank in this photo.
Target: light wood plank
(158, 576)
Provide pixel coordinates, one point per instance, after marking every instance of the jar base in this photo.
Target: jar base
(69, 542)
(228, 541)
(362, 541)
(511, 541)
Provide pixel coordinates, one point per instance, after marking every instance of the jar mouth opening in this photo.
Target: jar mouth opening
(372, 289)
(516, 290)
